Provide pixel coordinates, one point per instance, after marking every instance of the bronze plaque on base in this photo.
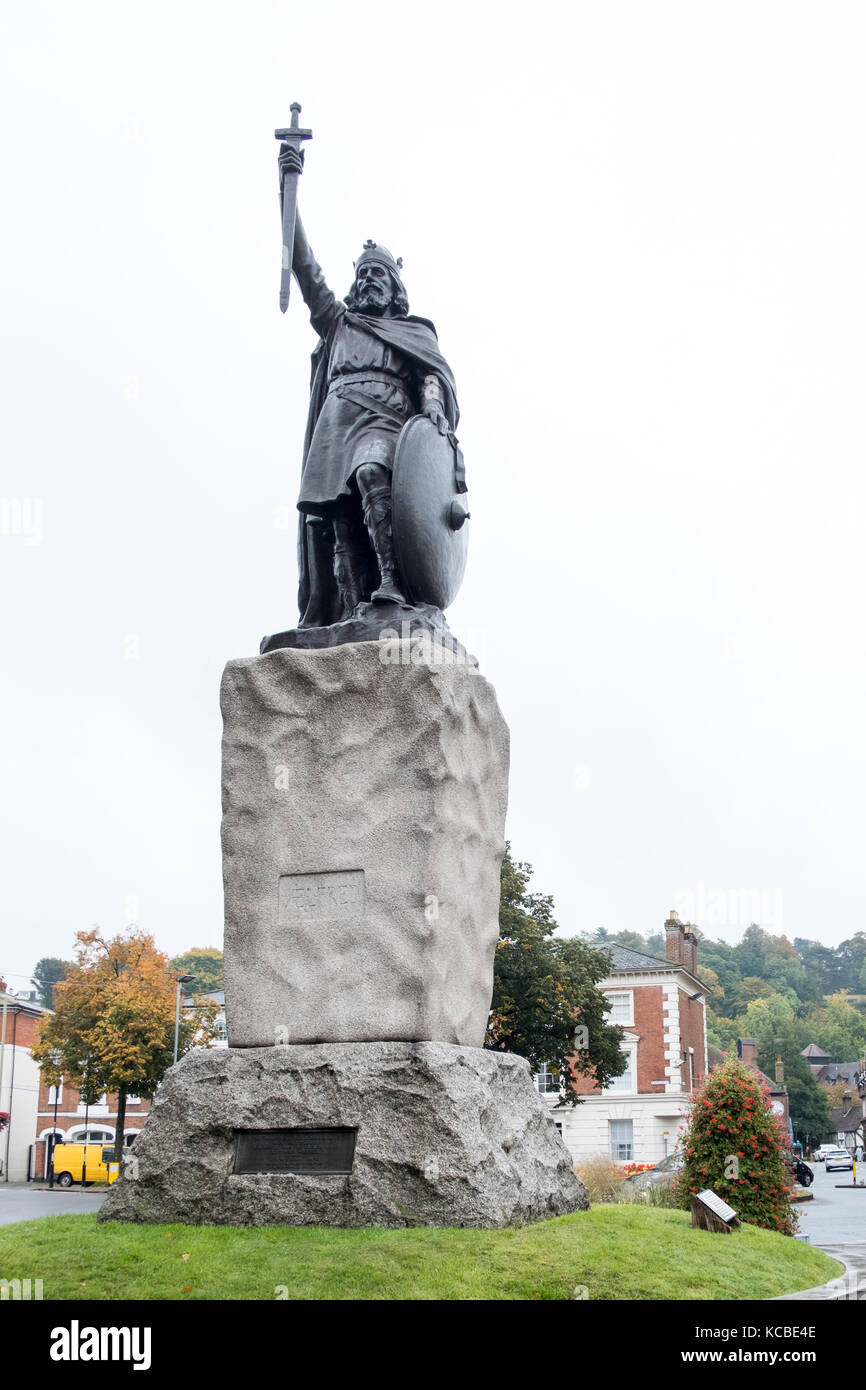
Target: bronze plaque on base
(317, 1151)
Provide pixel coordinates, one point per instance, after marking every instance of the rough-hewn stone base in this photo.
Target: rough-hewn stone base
(446, 1136)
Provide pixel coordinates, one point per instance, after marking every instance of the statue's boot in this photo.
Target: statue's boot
(348, 570)
(377, 516)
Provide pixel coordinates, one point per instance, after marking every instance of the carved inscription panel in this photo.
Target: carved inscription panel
(325, 897)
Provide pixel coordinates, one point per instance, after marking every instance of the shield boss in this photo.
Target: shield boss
(428, 514)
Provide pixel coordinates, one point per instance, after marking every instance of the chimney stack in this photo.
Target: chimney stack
(674, 939)
(690, 949)
(780, 1071)
(747, 1051)
(681, 945)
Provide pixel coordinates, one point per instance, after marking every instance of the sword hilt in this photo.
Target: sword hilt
(293, 135)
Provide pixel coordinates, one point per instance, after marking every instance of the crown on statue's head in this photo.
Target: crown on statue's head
(381, 255)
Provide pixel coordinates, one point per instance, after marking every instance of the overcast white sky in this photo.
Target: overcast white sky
(639, 230)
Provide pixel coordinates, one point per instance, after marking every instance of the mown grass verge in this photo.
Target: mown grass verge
(615, 1252)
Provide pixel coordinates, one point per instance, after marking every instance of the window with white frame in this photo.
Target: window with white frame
(627, 1082)
(55, 1094)
(546, 1079)
(620, 1007)
(621, 1140)
(99, 1106)
(133, 1100)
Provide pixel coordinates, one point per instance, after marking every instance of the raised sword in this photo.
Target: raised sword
(292, 136)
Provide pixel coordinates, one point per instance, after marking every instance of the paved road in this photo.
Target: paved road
(836, 1216)
(24, 1202)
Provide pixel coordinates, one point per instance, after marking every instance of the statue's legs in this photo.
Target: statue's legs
(374, 484)
(350, 568)
(316, 599)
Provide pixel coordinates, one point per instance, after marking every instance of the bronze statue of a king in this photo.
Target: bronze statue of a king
(381, 537)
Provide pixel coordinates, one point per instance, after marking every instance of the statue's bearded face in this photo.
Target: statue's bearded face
(373, 289)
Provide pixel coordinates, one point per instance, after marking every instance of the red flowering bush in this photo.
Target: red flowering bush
(637, 1168)
(735, 1146)
(4, 1119)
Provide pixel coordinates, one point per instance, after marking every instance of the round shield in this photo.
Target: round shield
(428, 513)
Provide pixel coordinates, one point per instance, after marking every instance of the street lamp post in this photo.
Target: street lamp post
(181, 980)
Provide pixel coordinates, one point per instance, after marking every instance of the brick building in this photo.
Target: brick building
(661, 1005)
(75, 1120)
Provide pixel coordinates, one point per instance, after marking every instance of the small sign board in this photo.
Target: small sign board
(711, 1213)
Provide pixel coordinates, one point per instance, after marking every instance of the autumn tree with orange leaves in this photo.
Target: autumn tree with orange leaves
(113, 1023)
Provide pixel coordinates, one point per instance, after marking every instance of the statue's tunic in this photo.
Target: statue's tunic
(367, 385)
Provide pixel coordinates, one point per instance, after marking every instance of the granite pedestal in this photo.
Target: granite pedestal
(364, 798)
(347, 1134)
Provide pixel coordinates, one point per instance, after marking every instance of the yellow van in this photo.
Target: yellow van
(69, 1164)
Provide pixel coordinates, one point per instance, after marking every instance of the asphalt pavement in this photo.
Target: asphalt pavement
(835, 1216)
(23, 1201)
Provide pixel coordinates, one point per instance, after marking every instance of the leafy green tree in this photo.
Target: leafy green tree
(852, 959)
(839, 1028)
(547, 1006)
(205, 964)
(752, 950)
(788, 975)
(722, 1032)
(807, 1100)
(46, 974)
(822, 962)
(734, 1145)
(753, 987)
(709, 977)
(767, 1019)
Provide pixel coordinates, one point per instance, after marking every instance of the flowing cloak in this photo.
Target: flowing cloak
(402, 351)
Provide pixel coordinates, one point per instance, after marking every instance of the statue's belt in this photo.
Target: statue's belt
(353, 391)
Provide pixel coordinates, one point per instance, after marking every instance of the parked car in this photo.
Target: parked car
(663, 1172)
(835, 1159)
(802, 1172)
(821, 1152)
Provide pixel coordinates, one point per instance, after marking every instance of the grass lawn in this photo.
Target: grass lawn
(616, 1251)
